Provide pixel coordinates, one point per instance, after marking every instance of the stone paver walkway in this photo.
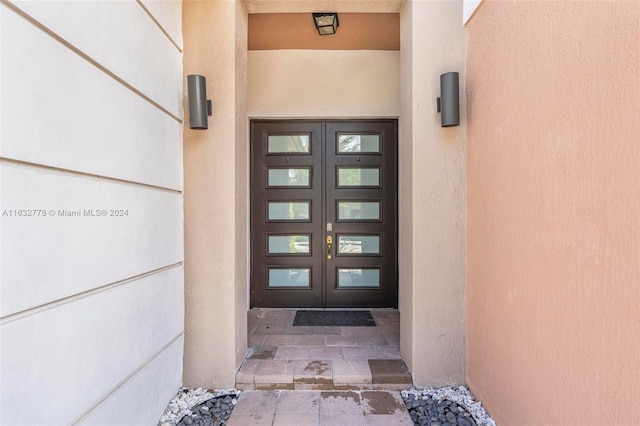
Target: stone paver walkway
(323, 408)
(283, 357)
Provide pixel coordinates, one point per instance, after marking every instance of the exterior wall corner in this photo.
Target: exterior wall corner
(216, 196)
(432, 196)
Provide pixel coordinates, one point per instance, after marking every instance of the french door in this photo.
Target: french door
(324, 213)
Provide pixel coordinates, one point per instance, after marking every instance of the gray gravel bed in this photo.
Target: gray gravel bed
(445, 407)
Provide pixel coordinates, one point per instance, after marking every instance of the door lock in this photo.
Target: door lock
(329, 244)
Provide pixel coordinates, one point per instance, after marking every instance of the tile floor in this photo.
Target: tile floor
(306, 408)
(283, 357)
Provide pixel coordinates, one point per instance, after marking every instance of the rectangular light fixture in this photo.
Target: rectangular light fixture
(326, 22)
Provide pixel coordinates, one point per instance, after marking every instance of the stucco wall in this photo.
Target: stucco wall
(216, 196)
(324, 83)
(553, 323)
(432, 166)
(296, 84)
(91, 306)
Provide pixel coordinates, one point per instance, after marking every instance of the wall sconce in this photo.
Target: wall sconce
(199, 105)
(326, 22)
(449, 100)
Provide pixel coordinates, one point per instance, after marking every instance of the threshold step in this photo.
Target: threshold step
(332, 374)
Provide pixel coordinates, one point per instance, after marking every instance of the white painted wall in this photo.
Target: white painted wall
(91, 308)
(323, 83)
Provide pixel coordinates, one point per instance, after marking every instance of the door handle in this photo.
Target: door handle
(329, 244)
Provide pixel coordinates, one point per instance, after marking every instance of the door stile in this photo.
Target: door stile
(323, 230)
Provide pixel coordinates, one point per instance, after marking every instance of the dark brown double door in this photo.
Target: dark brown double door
(323, 214)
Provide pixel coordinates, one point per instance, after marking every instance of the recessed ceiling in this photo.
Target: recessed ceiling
(357, 31)
(308, 6)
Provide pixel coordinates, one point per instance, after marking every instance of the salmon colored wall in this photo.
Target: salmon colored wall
(553, 247)
(356, 31)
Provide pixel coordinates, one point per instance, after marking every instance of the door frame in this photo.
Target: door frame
(324, 123)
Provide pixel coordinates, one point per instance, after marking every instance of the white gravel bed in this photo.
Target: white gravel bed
(187, 398)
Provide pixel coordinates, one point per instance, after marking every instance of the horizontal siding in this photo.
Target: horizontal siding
(52, 257)
(72, 355)
(168, 14)
(91, 308)
(67, 113)
(150, 390)
(120, 36)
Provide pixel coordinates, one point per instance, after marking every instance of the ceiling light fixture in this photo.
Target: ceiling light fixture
(326, 22)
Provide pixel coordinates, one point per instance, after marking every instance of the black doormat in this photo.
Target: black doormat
(334, 318)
